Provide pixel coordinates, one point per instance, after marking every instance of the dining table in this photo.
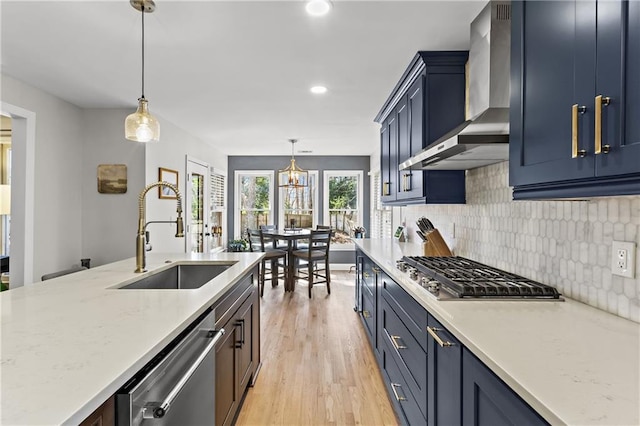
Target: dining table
(291, 236)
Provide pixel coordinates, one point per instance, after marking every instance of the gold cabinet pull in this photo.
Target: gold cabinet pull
(395, 392)
(385, 188)
(433, 332)
(394, 340)
(366, 314)
(575, 109)
(376, 270)
(600, 101)
(366, 274)
(407, 182)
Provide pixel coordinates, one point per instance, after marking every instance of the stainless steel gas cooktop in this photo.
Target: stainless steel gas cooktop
(458, 278)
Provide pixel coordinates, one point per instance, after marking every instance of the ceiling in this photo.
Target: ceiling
(235, 74)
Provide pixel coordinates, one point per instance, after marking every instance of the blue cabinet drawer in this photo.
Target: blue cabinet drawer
(369, 316)
(410, 312)
(409, 356)
(406, 405)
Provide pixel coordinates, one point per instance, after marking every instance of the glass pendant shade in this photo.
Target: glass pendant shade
(141, 126)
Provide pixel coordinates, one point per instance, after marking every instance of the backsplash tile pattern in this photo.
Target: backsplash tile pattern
(566, 244)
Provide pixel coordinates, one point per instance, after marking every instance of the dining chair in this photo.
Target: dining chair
(283, 245)
(274, 260)
(308, 260)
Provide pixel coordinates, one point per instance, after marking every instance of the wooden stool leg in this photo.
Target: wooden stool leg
(328, 272)
(261, 279)
(310, 269)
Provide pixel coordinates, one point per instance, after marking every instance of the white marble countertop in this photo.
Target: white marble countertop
(574, 364)
(69, 343)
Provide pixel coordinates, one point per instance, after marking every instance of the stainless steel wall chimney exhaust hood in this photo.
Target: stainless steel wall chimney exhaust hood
(483, 138)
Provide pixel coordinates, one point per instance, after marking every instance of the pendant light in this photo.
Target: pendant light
(141, 126)
(293, 176)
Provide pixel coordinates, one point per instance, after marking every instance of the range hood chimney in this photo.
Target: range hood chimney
(483, 138)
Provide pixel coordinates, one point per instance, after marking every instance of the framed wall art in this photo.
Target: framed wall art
(167, 175)
(112, 178)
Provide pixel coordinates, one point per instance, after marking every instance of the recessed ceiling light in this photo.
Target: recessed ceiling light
(318, 90)
(318, 7)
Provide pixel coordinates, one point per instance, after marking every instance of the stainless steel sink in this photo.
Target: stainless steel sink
(184, 277)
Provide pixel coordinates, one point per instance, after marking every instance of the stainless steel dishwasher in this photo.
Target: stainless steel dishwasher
(178, 386)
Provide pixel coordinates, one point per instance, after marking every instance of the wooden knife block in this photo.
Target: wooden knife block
(435, 245)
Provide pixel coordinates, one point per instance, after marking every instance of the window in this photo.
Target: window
(253, 200)
(380, 216)
(343, 204)
(298, 206)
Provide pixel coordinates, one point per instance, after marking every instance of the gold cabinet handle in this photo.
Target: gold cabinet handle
(376, 270)
(395, 392)
(366, 314)
(600, 100)
(385, 188)
(407, 182)
(433, 332)
(575, 109)
(398, 346)
(366, 274)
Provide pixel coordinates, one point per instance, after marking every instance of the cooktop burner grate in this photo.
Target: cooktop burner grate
(468, 278)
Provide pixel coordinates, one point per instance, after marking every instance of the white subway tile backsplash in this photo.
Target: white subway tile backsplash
(566, 244)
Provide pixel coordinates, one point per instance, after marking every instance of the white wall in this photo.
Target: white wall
(58, 177)
(109, 221)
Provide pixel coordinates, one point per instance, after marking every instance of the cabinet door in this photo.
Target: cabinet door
(389, 158)
(444, 370)
(487, 401)
(103, 416)
(552, 41)
(618, 69)
(411, 181)
(244, 343)
(226, 382)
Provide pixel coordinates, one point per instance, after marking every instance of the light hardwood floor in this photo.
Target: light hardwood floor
(317, 366)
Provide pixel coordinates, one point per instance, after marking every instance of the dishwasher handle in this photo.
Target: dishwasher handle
(154, 410)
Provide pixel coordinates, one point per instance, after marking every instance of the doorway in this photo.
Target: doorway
(203, 215)
(23, 129)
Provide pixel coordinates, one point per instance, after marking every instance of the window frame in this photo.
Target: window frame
(237, 217)
(314, 196)
(327, 175)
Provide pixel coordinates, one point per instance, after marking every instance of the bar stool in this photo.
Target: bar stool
(273, 261)
(317, 252)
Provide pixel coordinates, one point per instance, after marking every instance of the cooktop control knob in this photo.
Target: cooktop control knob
(413, 273)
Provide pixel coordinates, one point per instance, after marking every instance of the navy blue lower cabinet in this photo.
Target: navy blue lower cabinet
(444, 370)
(488, 401)
(404, 403)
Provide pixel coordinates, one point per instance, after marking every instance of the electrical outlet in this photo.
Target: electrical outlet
(623, 259)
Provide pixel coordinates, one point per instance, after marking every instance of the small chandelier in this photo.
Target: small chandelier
(141, 126)
(293, 176)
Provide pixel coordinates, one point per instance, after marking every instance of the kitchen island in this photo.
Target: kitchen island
(572, 363)
(70, 343)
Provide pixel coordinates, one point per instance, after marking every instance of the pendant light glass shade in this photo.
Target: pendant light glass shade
(141, 126)
(293, 176)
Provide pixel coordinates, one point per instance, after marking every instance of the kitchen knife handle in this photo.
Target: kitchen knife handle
(600, 100)
(575, 109)
(433, 332)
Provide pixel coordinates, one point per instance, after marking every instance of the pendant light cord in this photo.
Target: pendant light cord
(142, 9)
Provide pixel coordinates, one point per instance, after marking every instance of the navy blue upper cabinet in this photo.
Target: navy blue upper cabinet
(427, 102)
(574, 94)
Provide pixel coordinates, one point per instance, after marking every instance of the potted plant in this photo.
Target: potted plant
(237, 245)
(359, 231)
